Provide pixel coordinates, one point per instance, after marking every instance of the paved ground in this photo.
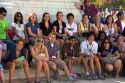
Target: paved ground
(109, 80)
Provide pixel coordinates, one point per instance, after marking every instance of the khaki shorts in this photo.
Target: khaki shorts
(59, 63)
(75, 60)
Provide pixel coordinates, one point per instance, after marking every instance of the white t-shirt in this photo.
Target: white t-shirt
(95, 27)
(89, 48)
(20, 31)
(71, 28)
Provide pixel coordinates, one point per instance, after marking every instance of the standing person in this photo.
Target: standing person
(55, 58)
(40, 54)
(33, 29)
(59, 27)
(4, 27)
(46, 25)
(88, 8)
(17, 55)
(18, 27)
(120, 16)
(89, 49)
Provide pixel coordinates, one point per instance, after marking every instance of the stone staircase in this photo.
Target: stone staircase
(39, 7)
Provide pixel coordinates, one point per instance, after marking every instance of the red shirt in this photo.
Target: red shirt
(91, 10)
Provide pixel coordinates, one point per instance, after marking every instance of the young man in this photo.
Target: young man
(73, 55)
(17, 55)
(89, 49)
(4, 27)
(55, 60)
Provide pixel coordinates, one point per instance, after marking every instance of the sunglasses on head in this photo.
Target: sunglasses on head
(19, 16)
(106, 42)
(39, 41)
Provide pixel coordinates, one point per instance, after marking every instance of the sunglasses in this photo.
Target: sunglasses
(106, 42)
(19, 16)
(4, 14)
(39, 41)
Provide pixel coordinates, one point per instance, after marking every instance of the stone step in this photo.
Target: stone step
(19, 73)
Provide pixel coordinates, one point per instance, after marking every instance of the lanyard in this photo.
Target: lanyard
(89, 49)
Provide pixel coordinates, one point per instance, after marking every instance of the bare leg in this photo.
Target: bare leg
(38, 67)
(46, 69)
(11, 71)
(26, 70)
(117, 67)
(91, 65)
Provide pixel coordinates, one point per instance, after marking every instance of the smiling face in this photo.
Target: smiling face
(60, 16)
(72, 41)
(2, 15)
(46, 17)
(33, 18)
(106, 44)
(91, 38)
(20, 44)
(110, 19)
(85, 19)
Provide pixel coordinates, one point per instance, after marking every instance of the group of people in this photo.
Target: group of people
(90, 43)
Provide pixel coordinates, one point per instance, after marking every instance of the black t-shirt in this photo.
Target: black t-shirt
(55, 23)
(105, 52)
(46, 31)
(12, 54)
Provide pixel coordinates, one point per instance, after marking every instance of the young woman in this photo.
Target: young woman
(18, 27)
(59, 27)
(110, 58)
(110, 27)
(97, 26)
(33, 29)
(40, 54)
(83, 27)
(46, 25)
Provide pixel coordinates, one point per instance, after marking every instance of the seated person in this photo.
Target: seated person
(110, 58)
(59, 27)
(1, 68)
(46, 25)
(73, 55)
(33, 28)
(40, 54)
(4, 27)
(17, 56)
(71, 26)
(55, 60)
(89, 49)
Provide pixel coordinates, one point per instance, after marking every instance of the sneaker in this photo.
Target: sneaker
(100, 76)
(70, 79)
(94, 77)
(106, 75)
(48, 81)
(56, 75)
(74, 76)
(36, 82)
(88, 77)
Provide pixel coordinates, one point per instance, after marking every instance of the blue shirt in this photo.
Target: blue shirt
(34, 28)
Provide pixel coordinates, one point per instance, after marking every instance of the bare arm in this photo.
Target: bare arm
(30, 33)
